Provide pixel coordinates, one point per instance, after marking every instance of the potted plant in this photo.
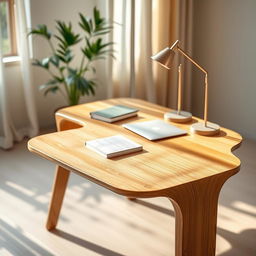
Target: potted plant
(67, 79)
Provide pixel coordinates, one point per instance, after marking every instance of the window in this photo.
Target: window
(7, 28)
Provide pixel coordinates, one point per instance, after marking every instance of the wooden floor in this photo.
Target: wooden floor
(94, 221)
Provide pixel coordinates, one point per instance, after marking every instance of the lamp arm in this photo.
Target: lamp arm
(205, 82)
(187, 56)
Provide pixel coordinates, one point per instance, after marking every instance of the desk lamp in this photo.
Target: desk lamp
(165, 58)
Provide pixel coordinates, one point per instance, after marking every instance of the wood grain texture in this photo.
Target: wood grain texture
(196, 208)
(189, 170)
(160, 166)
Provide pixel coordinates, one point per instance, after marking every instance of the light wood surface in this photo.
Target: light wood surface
(189, 170)
(161, 165)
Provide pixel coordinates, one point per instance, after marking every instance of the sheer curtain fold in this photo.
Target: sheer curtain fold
(10, 131)
(6, 138)
(173, 20)
(24, 52)
(132, 68)
(142, 28)
(144, 72)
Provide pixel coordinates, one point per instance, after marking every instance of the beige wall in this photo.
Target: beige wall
(46, 12)
(225, 44)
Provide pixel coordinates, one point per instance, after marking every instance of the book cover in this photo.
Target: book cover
(114, 112)
(113, 146)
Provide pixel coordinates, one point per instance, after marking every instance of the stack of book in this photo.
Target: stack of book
(115, 113)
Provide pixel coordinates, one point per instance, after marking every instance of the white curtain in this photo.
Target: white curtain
(6, 124)
(131, 71)
(9, 130)
(142, 28)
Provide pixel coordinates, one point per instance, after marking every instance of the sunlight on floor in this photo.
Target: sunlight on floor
(247, 208)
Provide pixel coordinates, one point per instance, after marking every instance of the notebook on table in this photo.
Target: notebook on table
(155, 129)
(113, 146)
(115, 113)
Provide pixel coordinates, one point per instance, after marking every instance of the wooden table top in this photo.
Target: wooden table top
(162, 164)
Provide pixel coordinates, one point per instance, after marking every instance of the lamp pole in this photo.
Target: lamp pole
(205, 82)
(179, 91)
(206, 100)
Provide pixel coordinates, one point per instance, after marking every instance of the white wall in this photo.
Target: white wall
(225, 44)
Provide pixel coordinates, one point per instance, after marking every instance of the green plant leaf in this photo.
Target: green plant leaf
(37, 62)
(59, 79)
(41, 30)
(82, 85)
(102, 33)
(90, 23)
(71, 79)
(96, 15)
(72, 71)
(55, 60)
(53, 89)
(49, 83)
(92, 84)
(62, 69)
(86, 51)
(67, 36)
(62, 44)
(65, 56)
(101, 46)
(44, 63)
(84, 24)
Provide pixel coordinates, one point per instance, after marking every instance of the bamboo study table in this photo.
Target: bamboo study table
(189, 170)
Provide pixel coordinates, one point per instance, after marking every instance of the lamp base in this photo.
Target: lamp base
(176, 117)
(208, 130)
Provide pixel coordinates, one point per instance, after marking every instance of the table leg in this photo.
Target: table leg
(59, 188)
(196, 217)
(61, 180)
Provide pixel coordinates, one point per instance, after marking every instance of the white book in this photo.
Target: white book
(113, 146)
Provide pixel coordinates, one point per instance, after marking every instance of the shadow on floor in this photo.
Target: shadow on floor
(243, 241)
(86, 244)
(21, 244)
(154, 207)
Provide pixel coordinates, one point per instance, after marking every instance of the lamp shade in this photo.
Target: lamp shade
(165, 57)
